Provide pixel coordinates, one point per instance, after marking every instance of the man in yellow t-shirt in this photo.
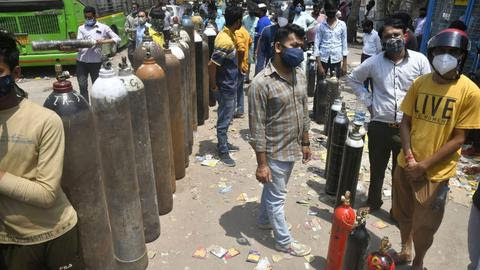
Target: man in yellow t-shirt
(438, 110)
(243, 44)
(38, 225)
(157, 18)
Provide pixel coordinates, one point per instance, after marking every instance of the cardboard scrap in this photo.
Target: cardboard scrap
(380, 225)
(263, 264)
(231, 252)
(217, 251)
(209, 163)
(200, 253)
(253, 256)
(243, 197)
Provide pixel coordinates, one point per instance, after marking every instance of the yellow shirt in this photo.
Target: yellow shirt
(157, 37)
(436, 110)
(243, 44)
(33, 207)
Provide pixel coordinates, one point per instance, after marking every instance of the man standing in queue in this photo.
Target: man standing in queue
(89, 60)
(131, 23)
(392, 73)
(223, 74)
(279, 125)
(38, 225)
(439, 109)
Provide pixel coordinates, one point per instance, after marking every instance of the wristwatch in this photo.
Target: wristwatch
(305, 143)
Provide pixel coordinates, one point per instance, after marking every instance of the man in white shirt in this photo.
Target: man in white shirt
(301, 18)
(372, 44)
(392, 73)
(89, 60)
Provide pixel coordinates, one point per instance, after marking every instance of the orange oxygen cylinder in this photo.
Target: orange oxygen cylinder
(343, 222)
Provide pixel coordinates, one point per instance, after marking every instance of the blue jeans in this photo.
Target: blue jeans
(225, 110)
(240, 94)
(273, 201)
(474, 238)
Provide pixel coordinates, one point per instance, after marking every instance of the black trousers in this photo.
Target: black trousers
(83, 70)
(130, 50)
(332, 67)
(60, 253)
(383, 142)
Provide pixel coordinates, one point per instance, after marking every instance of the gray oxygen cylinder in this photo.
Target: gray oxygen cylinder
(143, 150)
(334, 109)
(81, 178)
(111, 112)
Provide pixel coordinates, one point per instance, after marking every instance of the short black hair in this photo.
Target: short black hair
(157, 13)
(368, 23)
(393, 22)
(283, 32)
(89, 9)
(9, 50)
(330, 5)
(458, 24)
(232, 15)
(405, 18)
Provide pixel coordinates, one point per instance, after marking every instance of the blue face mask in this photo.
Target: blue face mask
(90, 22)
(298, 10)
(292, 57)
(6, 85)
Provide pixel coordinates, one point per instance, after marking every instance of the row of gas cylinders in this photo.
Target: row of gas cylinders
(350, 240)
(124, 153)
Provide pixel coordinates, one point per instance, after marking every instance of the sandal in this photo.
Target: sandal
(401, 258)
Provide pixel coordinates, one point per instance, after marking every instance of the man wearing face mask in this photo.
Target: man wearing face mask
(142, 26)
(130, 28)
(301, 18)
(157, 19)
(372, 44)
(250, 21)
(392, 73)
(331, 48)
(89, 60)
(223, 71)
(38, 225)
(438, 110)
(279, 125)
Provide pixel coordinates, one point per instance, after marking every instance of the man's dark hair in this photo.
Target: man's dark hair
(330, 5)
(367, 23)
(89, 9)
(405, 18)
(458, 24)
(232, 15)
(9, 50)
(135, 4)
(157, 13)
(283, 32)
(393, 22)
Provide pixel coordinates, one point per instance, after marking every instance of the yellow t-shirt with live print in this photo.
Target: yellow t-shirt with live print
(436, 110)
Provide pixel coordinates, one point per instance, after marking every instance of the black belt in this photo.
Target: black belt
(383, 124)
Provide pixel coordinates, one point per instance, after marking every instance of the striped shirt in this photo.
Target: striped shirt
(278, 114)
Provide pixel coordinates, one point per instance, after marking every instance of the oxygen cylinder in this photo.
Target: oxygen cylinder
(173, 73)
(337, 144)
(186, 50)
(153, 78)
(113, 123)
(320, 102)
(81, 178)
(380, 260)
(206, 88)
(199, 70)
(331, 94)
(350, 168)
(187, 34)
(342, 225)
(334, 109)
(311, 75)
(143, 150)
(180, 55)
(357, 245)
(211, 35)
(155, 51)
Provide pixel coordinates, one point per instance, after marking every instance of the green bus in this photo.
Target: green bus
(44, 20)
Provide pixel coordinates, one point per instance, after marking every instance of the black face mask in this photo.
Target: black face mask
(157, 24)
(394, 45)
(367, 30)
(6, 85)
(252, 14)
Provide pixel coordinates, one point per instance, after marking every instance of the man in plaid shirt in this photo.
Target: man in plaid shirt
(279, 124)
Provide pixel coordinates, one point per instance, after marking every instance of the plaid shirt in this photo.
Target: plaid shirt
(278, 114)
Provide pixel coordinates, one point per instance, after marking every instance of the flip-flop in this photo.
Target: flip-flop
(401, 258)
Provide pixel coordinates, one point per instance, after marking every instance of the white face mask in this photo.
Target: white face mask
(444, 63)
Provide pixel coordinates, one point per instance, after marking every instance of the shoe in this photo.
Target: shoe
(232, 148)
(374, 207)
(269, 227)
(227, 160)
(295, 249)
(238, 115)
